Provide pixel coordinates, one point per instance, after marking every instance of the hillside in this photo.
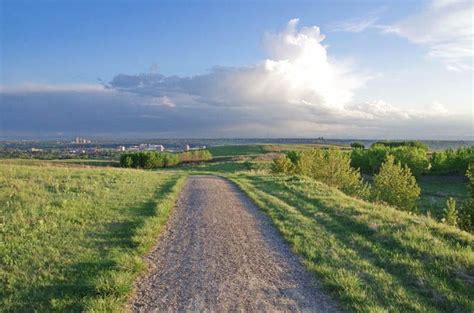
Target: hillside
(372, 257)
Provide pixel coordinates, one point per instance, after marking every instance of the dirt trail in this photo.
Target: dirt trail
(219, 253)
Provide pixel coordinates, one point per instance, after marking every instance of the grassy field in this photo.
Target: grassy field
(220, 151)
(72, 239)
(242, 150)
(62, 162)
(372, 258)
(73, 233)
(437, 189)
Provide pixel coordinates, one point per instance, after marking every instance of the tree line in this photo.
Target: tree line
(414, 155)
(153, 159)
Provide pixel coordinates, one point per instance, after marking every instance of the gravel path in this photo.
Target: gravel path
(219, 253)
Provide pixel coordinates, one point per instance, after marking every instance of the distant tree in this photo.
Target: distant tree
(395, 185)
(357, 145)
(395, 144)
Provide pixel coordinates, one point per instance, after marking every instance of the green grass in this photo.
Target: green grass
(242, 150)
(234, 150)
(61, 162)
(435, 191)
(71, 239)
(372, 258)
(226, 167)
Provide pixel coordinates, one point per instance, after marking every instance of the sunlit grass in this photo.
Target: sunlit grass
(373, 258)
(72, 239)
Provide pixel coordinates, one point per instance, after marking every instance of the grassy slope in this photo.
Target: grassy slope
(71, 239)
(371, 257)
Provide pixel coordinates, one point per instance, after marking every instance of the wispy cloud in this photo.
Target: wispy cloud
(445, 28)
(355, 25)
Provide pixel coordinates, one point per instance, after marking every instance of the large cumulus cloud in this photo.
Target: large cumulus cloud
(298, 90)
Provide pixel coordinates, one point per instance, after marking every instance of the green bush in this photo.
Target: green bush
(195, 156)
(126, 160)
(452, 161)
(451, 213)
(395, 185)
(332, 167)
(370, 160)
(282, 165)
(153, 159)
(466, 211)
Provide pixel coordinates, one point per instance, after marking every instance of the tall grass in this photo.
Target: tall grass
(372, 258)
(71, 239)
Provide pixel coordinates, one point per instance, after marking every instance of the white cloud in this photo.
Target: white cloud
(445, 27)
(298, 74)
(355, 25)
(297, 91)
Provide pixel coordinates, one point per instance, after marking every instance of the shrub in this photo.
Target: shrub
(360, 160)
(282, 165)
(332, 167)
(466, 211)
(370, 160)
(153, 159)
(395, 185)
(452, 161)
(413, 157)
(126, 160)
(451, 213)
(195, 155)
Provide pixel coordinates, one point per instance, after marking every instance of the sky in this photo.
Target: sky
(337, 69)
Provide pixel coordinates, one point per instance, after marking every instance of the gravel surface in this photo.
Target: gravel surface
(219, 253)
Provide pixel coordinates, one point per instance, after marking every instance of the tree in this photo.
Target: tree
(395, 185)
(357, 145)
(451, 213)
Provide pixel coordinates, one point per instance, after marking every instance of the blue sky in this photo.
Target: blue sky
(68, 41)
(389, 58)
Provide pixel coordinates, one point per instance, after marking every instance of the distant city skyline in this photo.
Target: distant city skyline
(296, 69)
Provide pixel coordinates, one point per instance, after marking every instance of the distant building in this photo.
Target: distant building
(187, 148)
(156, 148)
(148, 147)
(80, 140)
(36, 150)
(121, 148)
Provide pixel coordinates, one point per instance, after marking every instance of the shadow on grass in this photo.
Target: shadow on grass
(78, 285)
(380, 251)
